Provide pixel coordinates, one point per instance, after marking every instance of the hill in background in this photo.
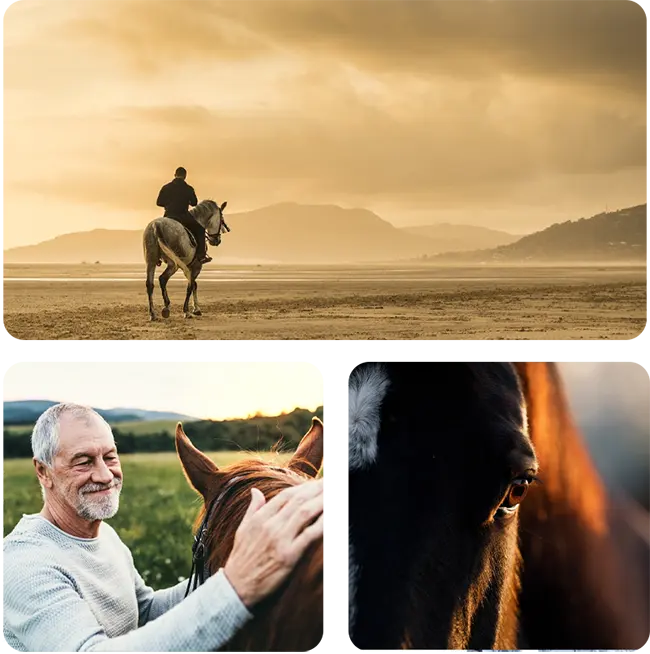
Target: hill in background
(155, 433)
(613, 236)
(318, 234)
(27, 412)
(281, 233)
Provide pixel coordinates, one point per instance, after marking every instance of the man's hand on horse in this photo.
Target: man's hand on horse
(272, 537)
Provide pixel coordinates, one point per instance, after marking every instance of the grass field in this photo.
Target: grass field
(157, 509)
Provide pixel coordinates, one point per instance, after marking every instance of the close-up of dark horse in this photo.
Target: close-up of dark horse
(291, 618)
(167, 240)
(478, 520)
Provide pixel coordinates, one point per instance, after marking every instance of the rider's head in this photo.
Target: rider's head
(181, 173)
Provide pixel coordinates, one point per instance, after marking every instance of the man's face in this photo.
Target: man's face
(86, 475)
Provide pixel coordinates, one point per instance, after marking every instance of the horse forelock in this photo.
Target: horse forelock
(367, 389)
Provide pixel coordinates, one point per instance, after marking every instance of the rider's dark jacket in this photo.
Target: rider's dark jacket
(176, 197)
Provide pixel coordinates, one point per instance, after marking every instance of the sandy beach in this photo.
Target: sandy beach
(331, 302)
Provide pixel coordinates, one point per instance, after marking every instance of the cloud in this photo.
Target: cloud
(329, 142)
(155, 36)
(410, 103)
(600, 40)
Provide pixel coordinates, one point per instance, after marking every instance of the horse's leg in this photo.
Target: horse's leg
(195, 297)
(186, 304)
(163, 279)
(191, 275)
(150, 272)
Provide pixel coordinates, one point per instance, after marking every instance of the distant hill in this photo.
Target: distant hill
(613, 236)
(281, 432)
(27, 412)
(281, 233)
(446, 237)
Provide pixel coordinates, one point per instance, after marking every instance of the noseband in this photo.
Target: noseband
(200, 572)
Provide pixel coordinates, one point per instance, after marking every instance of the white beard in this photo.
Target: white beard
(98, 508)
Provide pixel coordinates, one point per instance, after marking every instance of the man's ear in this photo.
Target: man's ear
(43, 473)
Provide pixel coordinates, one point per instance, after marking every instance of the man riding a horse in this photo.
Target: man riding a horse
(176, 197)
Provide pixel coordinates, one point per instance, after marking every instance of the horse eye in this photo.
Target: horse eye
(516, 493)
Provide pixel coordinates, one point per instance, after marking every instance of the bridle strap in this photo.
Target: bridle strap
(199, 549)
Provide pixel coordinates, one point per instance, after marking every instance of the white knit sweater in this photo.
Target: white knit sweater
(68, 594)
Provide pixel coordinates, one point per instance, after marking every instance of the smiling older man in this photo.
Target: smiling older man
(70, 583)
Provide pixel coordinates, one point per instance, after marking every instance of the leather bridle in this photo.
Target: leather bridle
(200, 572)
(200, 555)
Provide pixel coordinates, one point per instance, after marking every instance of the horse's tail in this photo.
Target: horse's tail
(157, 231)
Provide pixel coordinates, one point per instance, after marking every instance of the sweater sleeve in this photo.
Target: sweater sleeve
(152, 604)
(49, 614)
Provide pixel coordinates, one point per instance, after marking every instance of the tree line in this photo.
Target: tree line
(281, 433)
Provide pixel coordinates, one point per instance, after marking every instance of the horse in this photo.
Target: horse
(165, 239)
(291, 618)
(567, 569)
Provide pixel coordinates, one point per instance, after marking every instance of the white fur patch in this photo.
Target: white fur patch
(368, 387)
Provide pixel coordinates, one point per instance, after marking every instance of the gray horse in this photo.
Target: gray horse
(165, 239)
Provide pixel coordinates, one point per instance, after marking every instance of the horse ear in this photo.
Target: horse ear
(198, 468)
(308, 458)
(223, 206)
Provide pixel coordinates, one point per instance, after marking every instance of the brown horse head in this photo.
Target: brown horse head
(291, 619)
(426, 447)
(439, 461)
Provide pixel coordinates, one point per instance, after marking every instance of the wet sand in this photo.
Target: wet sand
(331, 302)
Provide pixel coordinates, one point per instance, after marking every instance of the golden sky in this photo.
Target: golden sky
(205, 390)
(507, 114)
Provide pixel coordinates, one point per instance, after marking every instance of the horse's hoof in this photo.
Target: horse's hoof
(165, 312)
(197, 312)
(188, 315)
(152, 318)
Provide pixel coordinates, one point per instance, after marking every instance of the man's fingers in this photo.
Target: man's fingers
(293, 518)
(257, 502)
(295, 495)
(306, 538)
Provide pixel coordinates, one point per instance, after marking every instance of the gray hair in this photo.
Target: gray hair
(45, 435)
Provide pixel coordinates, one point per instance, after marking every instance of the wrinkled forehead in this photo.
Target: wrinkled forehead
(436, 408)
(78, 432)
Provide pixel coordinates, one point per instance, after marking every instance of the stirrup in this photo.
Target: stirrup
(206, 259)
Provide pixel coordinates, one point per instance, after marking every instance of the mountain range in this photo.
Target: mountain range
(281, 233)
(295, 233)
(27, 411)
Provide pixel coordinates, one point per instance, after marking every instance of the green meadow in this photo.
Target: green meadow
(157, 508)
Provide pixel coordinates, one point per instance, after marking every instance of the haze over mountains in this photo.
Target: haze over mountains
(294, 233)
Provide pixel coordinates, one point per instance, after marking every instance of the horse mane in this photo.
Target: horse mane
(291, 618)
(204, 209)
(585, 572)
